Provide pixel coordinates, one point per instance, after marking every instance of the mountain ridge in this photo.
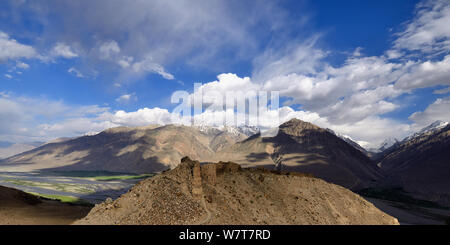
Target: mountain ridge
(420, 165)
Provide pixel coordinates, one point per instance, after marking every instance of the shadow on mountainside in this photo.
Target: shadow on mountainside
(102, 152)
(319, 152)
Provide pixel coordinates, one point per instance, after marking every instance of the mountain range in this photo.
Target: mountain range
(8, 149)
(419, 164)
(152, 148)
(304, 147)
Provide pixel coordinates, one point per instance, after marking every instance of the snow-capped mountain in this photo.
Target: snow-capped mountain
(419, 164)
(348, 139)
(92, 133)
(247, 130)
(392, 142)
(434, 127)
(386, 144)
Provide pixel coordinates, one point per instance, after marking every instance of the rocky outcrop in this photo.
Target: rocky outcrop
(224, 193)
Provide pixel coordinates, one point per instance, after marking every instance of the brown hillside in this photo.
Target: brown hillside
(223, 193)
(20, 208)
(124, 149)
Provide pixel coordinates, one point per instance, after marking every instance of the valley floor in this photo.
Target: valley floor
(95, 188)
(91, 187)
(410, 214)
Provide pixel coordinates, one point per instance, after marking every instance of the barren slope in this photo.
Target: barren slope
(123, 149)
(223, 193)
(303, 147)
(20, 208)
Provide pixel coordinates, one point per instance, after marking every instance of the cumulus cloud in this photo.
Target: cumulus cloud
(107, 49)
(350, 98)
(10, 49)
(8, 76)
(438, 110)
(22, 65)
(125, 61)
(141, 117)
(63, 50)
(373, 130)
(426, 74)
(126, 98)
(322, 85)
(362, 105)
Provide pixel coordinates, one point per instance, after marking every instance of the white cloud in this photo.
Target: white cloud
(426, 74)
(107, 49)
(357, 52)
(126, 98)
(438, 110)
(140, 117)
(295, 58)
(8, 76)
(17, 113)
(429, 31)
(63, 50)
(350, 98)
(26, 119)
(192, 32)
(74, 126)
(148, 65)
(125, 62)
(373, 130)
(21, 120)
(227, 82)
(22, 65)
(442, 91)
(322, 85)
(75, 72)
(361, 105)
(10, 49)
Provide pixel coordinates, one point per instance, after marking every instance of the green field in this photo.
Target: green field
(101, 175)
(120, 177)
(65, 187)
(64, 199)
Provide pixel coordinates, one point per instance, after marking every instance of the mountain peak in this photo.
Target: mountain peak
(434, 126)
(296, 126)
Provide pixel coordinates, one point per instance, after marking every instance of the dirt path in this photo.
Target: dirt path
(208, 214)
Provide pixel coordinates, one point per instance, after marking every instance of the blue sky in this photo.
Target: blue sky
(367, 69)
